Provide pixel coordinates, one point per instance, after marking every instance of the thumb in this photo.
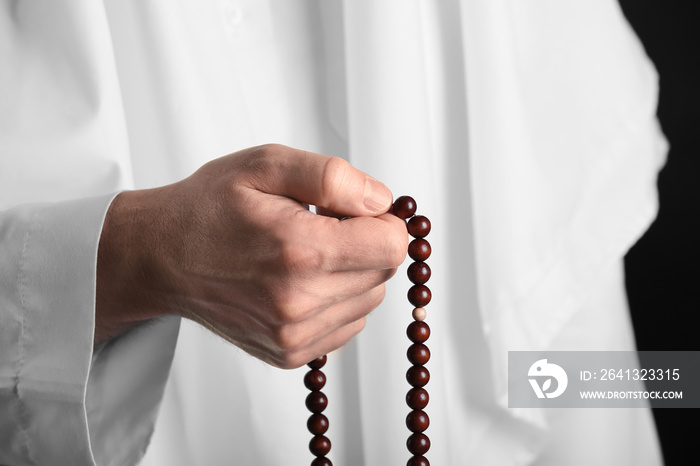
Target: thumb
(320, 180)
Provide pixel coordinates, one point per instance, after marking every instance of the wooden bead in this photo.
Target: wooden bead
(419, 314)
(404, 207)
(418, 332)
(418, 354)
(418, 444)
(418, 461)
(417, 398)
(322, 461)
(317, 424)
(419, 249)
(418, 272)
(417, 376)
(419, 295)
(315, 379)
(320, 445)
(318, 363)
(316, 402)
(417, 421)
(418, 226)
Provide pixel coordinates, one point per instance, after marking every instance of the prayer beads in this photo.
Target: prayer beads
(418, 354)
(316, 402)
(419, 295)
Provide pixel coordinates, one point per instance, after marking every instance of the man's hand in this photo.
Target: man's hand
(233, 248)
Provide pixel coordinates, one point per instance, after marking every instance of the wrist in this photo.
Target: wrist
(126, 289)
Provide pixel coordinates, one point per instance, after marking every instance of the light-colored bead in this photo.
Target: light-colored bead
(419, 314)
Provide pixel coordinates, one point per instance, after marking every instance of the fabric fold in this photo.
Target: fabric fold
(572, 186)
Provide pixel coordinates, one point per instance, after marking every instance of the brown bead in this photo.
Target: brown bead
(418, 226)
(320, 445)
(318, 363)
(418, 461)
(322, 461)
(418, 332)
(417, 376)
(419, 249)
(418, 272)
(419, 295)
(316, 402)
(315, 379)
(404, 207)
(417, 421)
(417, 398)
(418, 444)
(317, 424)
(418, 354)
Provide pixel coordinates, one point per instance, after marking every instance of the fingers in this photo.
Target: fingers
(301, 302)
(329, 182)
(326, 345)
(363, 243)
(289, 178)
(307, 333)
(314, 244)
(303, 341)
(293, 344)
(278, 281)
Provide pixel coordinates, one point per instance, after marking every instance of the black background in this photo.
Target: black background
(663, 268)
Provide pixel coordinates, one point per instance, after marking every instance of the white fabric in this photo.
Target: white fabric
(42, 378)
(62, 136)
(525, 131)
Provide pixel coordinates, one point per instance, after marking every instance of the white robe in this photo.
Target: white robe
(525, 131)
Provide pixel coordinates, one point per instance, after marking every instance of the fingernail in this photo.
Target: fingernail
(377, 195)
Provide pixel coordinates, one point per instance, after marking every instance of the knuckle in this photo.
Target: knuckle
(261, 160)
(377, 295)
(284, 307)
(287, 339)
(271, 149)
(352, 329)
(359, 324)
(289, 305)
(334, 177)
(298, 259)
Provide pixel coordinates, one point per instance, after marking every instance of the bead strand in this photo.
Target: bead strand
(418, 354)
(418, 331)
(316, 402)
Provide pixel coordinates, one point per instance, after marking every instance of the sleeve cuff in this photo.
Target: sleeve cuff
(55, 395)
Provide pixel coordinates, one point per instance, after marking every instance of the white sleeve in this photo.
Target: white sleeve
(49, 413)
(63, 137)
